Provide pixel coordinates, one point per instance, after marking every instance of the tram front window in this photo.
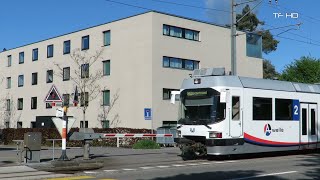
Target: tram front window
(201, 106)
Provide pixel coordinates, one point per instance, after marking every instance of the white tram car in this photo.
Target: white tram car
(224, 115)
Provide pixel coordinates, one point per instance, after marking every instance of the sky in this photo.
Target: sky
(24, 22)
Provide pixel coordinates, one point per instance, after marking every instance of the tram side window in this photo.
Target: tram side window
(262, 108)
(283, 108)
(235, 108)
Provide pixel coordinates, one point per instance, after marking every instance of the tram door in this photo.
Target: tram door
(308, 125)
(235, 113)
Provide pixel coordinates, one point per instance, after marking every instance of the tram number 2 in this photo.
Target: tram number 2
(296, 110)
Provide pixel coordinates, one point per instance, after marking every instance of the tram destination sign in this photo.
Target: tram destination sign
(197, 93)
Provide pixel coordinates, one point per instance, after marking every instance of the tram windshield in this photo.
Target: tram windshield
(201, 107)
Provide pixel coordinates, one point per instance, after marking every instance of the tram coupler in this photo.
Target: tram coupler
(192, 150)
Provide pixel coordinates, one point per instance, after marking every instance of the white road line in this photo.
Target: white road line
(162, 166)
(90, 172)
(147, 167)
(178, 165)
(222, 162)
(111, 170)
(205, 163)
(264, 175)
(192, 164)
(129, 169)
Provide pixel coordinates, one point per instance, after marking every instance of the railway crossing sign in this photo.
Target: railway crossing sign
(53, 95)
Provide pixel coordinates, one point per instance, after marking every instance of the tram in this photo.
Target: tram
(224, 115)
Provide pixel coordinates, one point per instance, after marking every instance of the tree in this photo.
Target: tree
(86, 81)
(9, 114)
(105, 112)
(304, 70)
(250, 23)
(269, 71)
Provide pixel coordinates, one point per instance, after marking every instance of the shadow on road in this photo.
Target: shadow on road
(220, 175)
(312, 161)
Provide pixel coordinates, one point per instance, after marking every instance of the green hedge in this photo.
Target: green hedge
(8, 135)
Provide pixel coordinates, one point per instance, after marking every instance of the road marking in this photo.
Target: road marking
(129, 169)
(264, 175)
(222, 162)
(107, 179)
(192, 164)
(90, 172)
(111, 170)
(178, 165)
(147, 167)
(72, 178)
(162, 166)
(205, 163)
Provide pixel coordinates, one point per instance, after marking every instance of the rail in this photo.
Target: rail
(53, 140)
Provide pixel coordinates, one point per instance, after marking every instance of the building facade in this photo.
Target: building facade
(144, 57)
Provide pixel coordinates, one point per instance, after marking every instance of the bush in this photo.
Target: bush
(146, 144)
(10, 134)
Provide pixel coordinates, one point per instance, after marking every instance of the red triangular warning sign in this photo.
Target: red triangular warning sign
(53, 95)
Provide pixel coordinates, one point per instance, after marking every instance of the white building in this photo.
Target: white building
(144, 57)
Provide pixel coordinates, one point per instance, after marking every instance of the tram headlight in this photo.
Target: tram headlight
(215, 134)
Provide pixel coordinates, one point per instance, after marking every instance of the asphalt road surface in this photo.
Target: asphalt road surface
(168, 165)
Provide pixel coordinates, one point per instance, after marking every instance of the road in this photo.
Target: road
(129, 164)
(167, 165)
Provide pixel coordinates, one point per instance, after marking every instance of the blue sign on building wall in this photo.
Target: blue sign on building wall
(147, 114)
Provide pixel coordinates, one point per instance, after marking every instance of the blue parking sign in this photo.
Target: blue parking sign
(147, 114)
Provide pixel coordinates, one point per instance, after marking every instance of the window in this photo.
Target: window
(235, 108)
(106, 68)
(84, 70)
(8, 82)
(49, 76)
(48, 106)
(19, 124)
(262, 108)
(20, 80)
(33, 102)
(166, 94)
(34, 79)
(9, 60)
(50, 51)
(35, 54)
(105, 124)
(20, 103)
(313, 122)
(106, 38)
(21, 57)
(84, 99)
(179, 63)
(84, 124)
(106, 97)
(66, 73)
(8, 104)
(169, 123)
(181, 32)
(85, 43)
(66, 99)
(254, 45)
(304, 121)
(66, 47)
(283, 109)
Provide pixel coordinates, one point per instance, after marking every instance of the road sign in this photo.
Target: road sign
(58, 123)
(53, 95)
(147, 114)
(59, 112)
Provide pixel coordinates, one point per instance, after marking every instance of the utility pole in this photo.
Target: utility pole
(233, 39)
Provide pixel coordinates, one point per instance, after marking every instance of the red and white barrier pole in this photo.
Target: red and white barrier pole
(64, 135)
